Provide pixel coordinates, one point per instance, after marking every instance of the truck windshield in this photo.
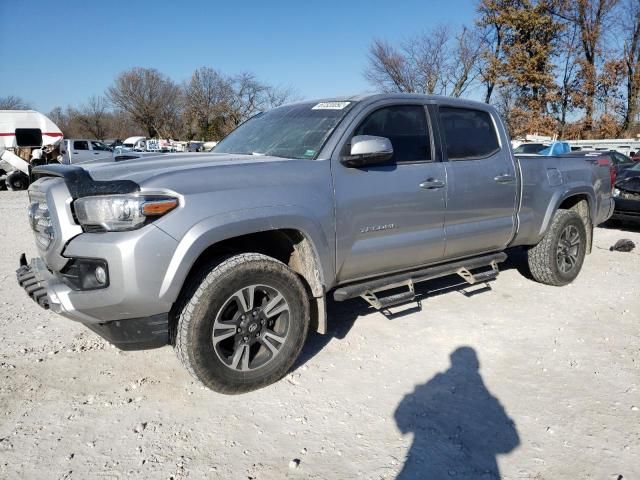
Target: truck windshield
(293, 131)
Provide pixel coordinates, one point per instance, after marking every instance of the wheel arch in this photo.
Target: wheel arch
(581, 200)
(299, 244)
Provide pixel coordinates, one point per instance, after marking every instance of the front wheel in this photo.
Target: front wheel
(17, 180)
(558, 258)
(244, 325)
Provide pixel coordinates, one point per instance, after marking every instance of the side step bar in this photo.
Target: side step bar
(367, 289)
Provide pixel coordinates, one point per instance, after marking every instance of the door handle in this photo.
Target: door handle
(432, 184)
(504, 178)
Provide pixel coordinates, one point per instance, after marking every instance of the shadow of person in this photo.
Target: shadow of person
(458, 426)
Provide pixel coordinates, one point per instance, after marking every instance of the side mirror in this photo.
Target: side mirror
(368, 150)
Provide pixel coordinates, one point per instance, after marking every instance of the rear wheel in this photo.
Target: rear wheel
(558, 258)
(245, 324)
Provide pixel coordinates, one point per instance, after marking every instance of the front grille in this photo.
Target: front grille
(40, 219)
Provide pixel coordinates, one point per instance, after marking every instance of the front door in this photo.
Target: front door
(390, 217)
(482, 185)
(80, 151)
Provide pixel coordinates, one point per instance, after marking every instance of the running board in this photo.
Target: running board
(381, 303)
(368, 289)
(482, 277)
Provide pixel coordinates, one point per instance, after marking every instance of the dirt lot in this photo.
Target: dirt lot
(556, 395)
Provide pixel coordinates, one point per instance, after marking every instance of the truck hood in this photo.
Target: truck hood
(149, 167)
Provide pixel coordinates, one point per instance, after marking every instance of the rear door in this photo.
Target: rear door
(385, 220)
(482, 183)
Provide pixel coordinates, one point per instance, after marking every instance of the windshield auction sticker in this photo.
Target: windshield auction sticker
(330, 105)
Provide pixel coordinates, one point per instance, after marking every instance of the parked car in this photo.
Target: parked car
(551, 149)
(229, 256)
(112, 143)
(194, 146)
(81, 150)
(530, 148)
(627, 195)
(138, 144)
(620, 162)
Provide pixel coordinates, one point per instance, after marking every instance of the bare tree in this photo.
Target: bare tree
(631, 55)
(493, 26)
(464, 67)
(94, 117)
(568, 85)
(12, 102)
(435, 62)
(152, 99)
(251, 96)
(208, 95)
(591, 18)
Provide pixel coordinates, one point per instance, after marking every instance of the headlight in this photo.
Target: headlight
(616, 192)
(121, 212)
(40, 219)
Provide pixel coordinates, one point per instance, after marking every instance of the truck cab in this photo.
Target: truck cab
(137, 144)
(82, 150)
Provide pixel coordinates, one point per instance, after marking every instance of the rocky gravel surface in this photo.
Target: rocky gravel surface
(532, 381)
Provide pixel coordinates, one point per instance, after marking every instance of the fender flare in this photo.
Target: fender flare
(228, 225)
(562, 195)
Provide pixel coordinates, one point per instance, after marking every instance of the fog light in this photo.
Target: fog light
(101, 275)
(86, 273)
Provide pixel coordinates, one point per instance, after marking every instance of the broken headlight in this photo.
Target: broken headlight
(115, 213)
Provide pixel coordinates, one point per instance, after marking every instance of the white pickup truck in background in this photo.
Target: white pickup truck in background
(81, 150)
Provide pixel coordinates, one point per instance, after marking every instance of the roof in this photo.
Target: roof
(372, 97)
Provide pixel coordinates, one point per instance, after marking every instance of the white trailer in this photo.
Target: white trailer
(27, 138)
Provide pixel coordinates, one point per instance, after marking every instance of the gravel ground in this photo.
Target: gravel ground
(538, 382)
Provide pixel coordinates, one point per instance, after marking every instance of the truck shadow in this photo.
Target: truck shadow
(622, 226)
(341, 316)
(458, 426)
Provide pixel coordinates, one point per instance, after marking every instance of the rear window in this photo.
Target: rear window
(29, 137)
(469, 134)
(81, 145)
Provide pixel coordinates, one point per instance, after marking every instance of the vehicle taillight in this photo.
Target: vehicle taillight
(605, 162)
(613, 174)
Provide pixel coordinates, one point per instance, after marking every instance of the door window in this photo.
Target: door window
(80, 145)
(469, 134)
(99, 146)
(405, 126)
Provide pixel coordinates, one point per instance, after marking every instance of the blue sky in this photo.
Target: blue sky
(319, 48)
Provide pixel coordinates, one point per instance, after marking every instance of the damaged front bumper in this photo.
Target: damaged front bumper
(627, 209)
(50, 292)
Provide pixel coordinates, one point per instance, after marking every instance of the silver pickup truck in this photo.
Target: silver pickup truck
(229, 256)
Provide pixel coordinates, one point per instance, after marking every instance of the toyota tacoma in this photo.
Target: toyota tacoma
(229, 256)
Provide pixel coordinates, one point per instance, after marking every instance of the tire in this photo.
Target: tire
(3, 185)
(222, 343)
(558, 258)
(17, 180)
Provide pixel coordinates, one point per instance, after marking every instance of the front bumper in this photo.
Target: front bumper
(47, 290)
(626, 209)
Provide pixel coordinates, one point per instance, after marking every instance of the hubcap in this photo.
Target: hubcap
(568, 249)
(251, 327)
